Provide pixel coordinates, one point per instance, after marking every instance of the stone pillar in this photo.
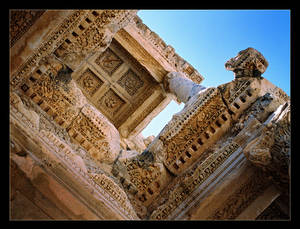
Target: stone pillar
(182, 87)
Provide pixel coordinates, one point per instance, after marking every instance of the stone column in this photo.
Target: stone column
(180, 86)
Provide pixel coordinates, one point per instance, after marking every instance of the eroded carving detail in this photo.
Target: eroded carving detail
(109, 61)
(188, 126)
(115, 191)
(46, 48)
(111, 103)
(131, 82)
(95, 38)
(89, 82)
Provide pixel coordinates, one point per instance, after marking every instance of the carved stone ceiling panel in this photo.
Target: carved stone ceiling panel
(115, 83)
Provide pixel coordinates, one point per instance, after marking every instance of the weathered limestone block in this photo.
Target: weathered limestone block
(67, 150)
(51, 87)
(243, 91)
(56, 158)
(247, 101)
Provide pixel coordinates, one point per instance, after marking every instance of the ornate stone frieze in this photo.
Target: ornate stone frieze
(184, 136)
(141, 177)
(115, 191)
(75, 38)
(46, 48)
(59, 99)
(93, 34)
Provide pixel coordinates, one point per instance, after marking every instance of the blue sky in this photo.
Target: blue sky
(208, 38)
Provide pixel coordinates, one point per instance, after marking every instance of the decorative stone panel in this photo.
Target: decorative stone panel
(89, 82)
(108, 61)
(131, 82)
(110, 103)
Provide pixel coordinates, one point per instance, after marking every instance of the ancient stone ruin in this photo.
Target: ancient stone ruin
(85, 83)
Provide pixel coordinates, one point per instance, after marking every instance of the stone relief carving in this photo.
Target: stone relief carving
(111, 102)
(131, 82)
(94, 132)
(55, 92)
(144, 176)
(109, 61)
(89, 82)
(46, 48)
(190, 180)
(185, 134)
(118, 194)
(241, 198)
(100, 183)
